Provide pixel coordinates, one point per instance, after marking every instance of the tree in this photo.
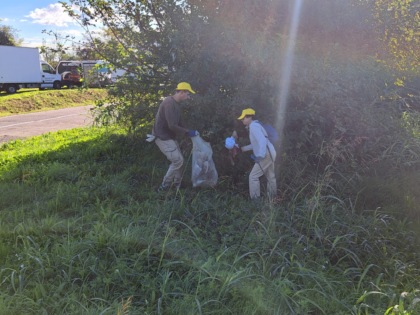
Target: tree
(8, 36)
(60, 48)
(398, 23)
(233, 53)
(142, 38)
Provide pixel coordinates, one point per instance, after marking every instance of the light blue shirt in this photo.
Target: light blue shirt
(259, 142)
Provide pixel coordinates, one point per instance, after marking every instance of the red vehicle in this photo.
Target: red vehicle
(71, 73)
(83, 72)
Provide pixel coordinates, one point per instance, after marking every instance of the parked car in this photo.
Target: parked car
(83, 72)
(71, 73)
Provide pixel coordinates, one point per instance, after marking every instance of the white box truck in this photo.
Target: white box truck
(21, 67)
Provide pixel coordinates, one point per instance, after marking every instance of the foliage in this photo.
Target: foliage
(342, 115)
(156, 43)
(65, 47)
(59, 49)
(349, 121)
(84, 232)
(399, 25)
(8, 36)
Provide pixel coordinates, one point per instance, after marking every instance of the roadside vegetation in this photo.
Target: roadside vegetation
(82, 231)
(31, 100)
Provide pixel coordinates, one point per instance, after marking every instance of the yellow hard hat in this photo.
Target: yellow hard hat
(184, 86)
(245, 112)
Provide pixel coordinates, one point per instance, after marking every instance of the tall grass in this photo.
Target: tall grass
(82, 231)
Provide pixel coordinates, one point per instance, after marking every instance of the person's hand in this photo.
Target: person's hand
(192, 133)
(254, 158)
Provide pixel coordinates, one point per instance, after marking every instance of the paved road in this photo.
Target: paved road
(28, 125)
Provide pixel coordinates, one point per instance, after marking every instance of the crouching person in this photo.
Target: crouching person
(264, 155)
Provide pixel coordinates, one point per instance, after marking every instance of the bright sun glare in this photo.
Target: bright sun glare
(287, 68)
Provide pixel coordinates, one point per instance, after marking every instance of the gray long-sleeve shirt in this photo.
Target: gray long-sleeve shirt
(259, 141)
(168, 120)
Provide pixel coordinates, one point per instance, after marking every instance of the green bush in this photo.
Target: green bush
(345, 118)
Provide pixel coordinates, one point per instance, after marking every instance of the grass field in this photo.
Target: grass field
(31, 100)
(82, 231)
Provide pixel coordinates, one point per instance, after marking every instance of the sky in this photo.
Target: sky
(28, 18)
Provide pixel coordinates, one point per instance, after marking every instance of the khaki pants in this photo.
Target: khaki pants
(172, 152)
(264, 167)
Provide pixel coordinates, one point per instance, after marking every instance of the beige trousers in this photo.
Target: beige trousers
(264, 167)
(173, 153)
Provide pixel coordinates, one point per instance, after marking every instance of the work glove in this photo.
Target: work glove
(150, 138)
(192, 133)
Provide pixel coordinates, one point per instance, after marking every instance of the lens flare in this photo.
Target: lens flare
(286, 69)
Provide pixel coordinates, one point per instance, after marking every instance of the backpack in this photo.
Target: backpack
(272, 134)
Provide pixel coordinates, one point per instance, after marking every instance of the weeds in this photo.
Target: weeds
(83, 232)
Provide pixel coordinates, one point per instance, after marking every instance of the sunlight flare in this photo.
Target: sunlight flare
(286, 69)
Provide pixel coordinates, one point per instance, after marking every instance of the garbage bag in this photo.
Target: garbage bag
(204, 173)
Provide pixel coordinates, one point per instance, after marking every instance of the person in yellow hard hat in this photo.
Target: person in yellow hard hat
(167, 125)
(264, 155)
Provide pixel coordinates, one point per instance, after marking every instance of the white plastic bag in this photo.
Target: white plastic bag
(204, 171)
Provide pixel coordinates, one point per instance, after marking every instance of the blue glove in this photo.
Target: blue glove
(192, 133)
(254, 158)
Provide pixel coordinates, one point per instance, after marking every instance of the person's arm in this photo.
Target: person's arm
(258, 141)
(173, 118)
(246, 148)
(175, 123)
